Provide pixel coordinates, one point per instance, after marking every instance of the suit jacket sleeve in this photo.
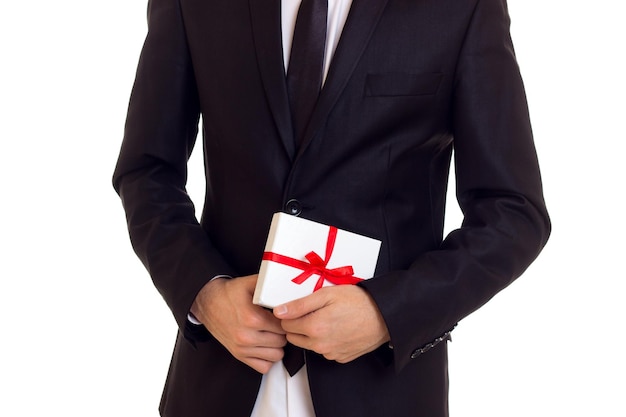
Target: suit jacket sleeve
(151, 172)
(498, 188)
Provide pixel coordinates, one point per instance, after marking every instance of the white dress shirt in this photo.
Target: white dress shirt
(281, 395)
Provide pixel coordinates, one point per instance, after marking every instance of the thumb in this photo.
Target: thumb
(301, 307)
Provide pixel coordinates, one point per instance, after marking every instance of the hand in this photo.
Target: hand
(340, 322)
(249, 332)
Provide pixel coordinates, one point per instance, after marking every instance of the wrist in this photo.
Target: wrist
(204, 295)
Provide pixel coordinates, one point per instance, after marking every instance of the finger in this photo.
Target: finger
(302, 306)
(259, 365)
(300, 340)
(310, 325)
(263, 353)
(250, 282)
(260, 359)
(271, 340)
(315, 324)
(270, 322)
(342, 357)
(246, 339)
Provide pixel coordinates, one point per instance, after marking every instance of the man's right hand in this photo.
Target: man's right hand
(250, 333)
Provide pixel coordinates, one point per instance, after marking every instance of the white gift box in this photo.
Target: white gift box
(301, 256)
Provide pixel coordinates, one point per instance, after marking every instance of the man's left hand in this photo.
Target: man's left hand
(340, 322)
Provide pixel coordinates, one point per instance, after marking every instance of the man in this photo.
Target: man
(404, 82)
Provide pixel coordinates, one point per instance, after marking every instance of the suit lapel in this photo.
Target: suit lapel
(266, 26)
(361, 22)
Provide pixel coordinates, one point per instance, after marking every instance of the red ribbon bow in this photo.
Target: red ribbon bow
(316, 265)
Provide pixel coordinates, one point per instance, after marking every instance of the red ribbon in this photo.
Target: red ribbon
(316, 265)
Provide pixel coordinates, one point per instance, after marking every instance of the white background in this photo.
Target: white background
(84, 333)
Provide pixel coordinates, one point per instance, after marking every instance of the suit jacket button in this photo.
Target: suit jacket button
(293, 207)
(415, 354)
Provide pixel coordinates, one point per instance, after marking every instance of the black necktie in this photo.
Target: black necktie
(293, 359)
(306, 63)
(304, 82)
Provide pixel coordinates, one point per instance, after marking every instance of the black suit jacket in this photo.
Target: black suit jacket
(410, 81)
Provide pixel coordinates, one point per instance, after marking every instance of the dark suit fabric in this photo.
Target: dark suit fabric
(410, 80)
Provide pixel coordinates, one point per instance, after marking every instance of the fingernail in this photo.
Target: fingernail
(280, 310)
